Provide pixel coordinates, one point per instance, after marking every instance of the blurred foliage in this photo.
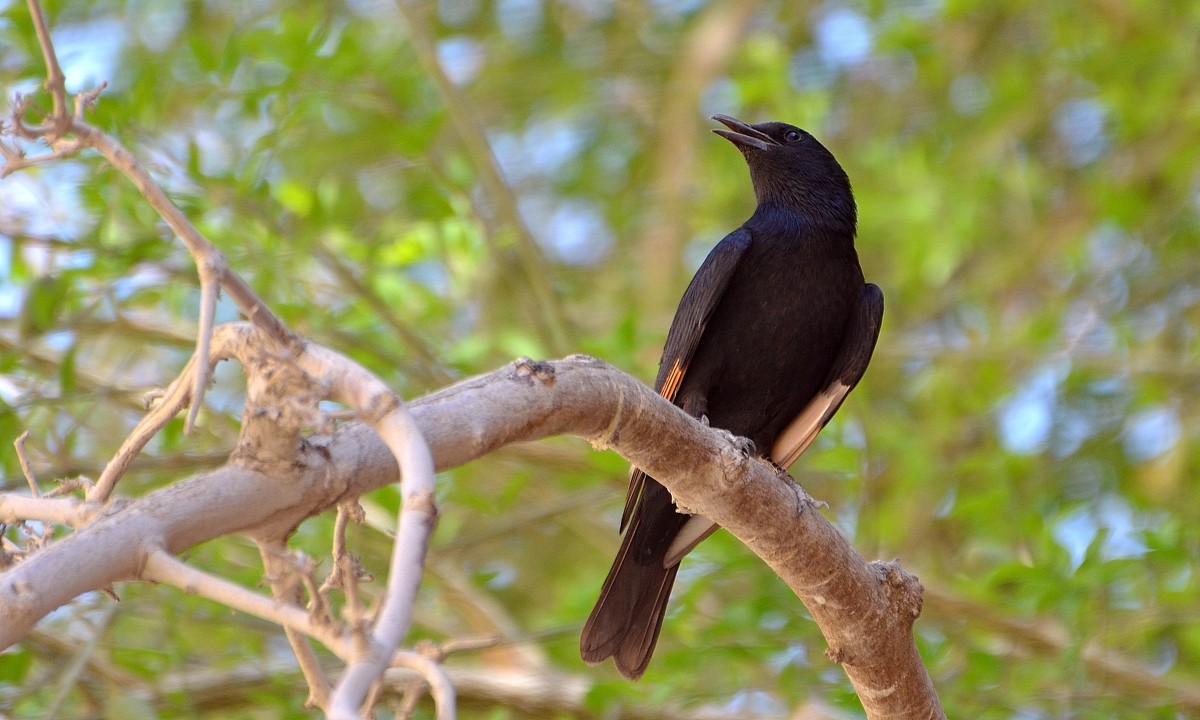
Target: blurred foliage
(435, 189)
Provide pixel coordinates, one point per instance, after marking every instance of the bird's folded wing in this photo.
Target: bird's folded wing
(695, 308)
(847, 370)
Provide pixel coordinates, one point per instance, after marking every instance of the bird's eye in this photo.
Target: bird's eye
(791, 136)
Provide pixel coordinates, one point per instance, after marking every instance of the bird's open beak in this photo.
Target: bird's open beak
(743, 135)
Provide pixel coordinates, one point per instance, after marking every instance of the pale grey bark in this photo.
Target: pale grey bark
(864, 609)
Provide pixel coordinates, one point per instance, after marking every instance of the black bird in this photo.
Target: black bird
(772, 334)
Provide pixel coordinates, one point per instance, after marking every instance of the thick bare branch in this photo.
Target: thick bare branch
(865, 609)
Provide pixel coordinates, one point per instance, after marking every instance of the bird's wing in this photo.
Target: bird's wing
(695, 308)
(848, 368)
(689, 536)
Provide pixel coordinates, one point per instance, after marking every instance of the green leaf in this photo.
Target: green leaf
(44, 304)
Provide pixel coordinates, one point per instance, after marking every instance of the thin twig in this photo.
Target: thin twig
(284, 590)
(56, 82)
(467, 644)
(434, 675)
(62, 149)
(210, 287)
(85, 101)
(211, 266)
(437, 653)
(319, 608)
(162, 567)
(347, 569)
(408, 703)
(339, 533)
(202, 251)
(174, 398)
(224, 341)
(353, 610)
(19, 444)
(9, 153)
(68, 511)
(70, 485)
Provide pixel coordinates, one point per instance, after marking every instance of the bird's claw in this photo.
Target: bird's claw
(745, 446)
(780, 471)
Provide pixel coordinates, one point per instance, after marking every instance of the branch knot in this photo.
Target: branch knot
(530, 371)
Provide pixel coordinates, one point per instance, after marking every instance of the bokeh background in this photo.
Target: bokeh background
(436, 188)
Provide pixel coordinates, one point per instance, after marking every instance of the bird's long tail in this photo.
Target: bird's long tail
(627, 618)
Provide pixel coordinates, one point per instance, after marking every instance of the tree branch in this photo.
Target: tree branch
(161, 567)
(384, 411)
(63, 511)
(214, 272)
(56, 82)
(864, 609)
(285, 590)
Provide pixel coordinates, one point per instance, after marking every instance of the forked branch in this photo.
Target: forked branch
(66, 132)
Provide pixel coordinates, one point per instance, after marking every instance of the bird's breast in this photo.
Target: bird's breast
(772, 339)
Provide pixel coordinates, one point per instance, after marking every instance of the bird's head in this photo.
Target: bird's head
(790, 169)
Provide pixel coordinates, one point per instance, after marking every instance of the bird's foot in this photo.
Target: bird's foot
(744, 446)
(802, 496)
(747, 446)
(780, 471)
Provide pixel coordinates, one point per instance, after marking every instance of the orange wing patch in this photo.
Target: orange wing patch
(637, 478)
(674, 380)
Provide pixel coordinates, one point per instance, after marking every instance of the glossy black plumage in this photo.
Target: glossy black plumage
(773, 332)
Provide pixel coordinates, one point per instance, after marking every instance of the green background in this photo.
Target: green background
(439, 190)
